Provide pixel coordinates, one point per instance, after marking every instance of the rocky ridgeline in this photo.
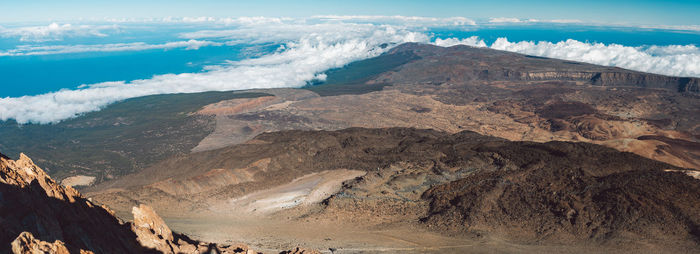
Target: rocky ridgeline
(619, 77)
(39, 215)
(463, 63)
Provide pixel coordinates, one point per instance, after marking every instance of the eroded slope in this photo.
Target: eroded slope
(460, 183)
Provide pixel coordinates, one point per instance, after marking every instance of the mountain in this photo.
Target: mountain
(491, 92)
(503, 94)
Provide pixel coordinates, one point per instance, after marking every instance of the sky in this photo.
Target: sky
(649, 12)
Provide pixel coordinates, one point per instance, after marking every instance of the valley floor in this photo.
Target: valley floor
(272, 235)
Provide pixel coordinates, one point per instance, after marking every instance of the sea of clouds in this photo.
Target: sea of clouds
(674, 60)
(309, 47)
(57, 32)
(32, 50)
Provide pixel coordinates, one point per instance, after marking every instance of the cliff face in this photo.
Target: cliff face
(38, 215)
(464, 63)
(618, 78)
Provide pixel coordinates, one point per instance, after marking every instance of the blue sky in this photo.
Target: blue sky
(623, 11)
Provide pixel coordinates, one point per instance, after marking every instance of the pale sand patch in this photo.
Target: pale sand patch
(279, 106)
(79, 180)
(236, 106)
(308, 189)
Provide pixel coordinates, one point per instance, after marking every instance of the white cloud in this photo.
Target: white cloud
(56, 32)
(690, 28)
(285, 32)
(243, 20)
(517, 20)
(473, 41)
(505, 20)
(410, 21)
(205, 20)
(27, 50)
(563, 21)
(404, 20)
(674, 60)
(302, 59)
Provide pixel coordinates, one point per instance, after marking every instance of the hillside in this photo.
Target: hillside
(120, 139)
(463, 183)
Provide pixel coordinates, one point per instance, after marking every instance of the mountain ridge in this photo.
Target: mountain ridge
(596, 74)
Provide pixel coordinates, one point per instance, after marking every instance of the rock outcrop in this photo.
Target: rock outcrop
(300, 251)
(151, 229)
(27, 244)
(33, 202)
(152, 232)
(35, 211)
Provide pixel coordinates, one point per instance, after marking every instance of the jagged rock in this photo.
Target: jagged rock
(34, 206)
(25, 171)
(152, 232)
(27, 244)
(33, 202)
(151, 229)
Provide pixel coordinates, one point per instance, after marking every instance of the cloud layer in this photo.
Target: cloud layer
(28, 50)
(303, 58)
(473, 41)
(308, 49)
(517, 20)
(669, 60)
(56, 32)
(403, 20)
(673, 60)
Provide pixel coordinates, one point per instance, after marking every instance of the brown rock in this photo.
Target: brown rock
(152, 232)
(146, 218)
(32, 204)
(299, 250)
(27, 244)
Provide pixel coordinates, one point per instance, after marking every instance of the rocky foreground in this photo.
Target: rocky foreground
(40, 216)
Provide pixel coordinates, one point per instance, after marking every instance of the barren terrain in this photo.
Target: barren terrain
(440, 91)
(422, 149)
(401, 187)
